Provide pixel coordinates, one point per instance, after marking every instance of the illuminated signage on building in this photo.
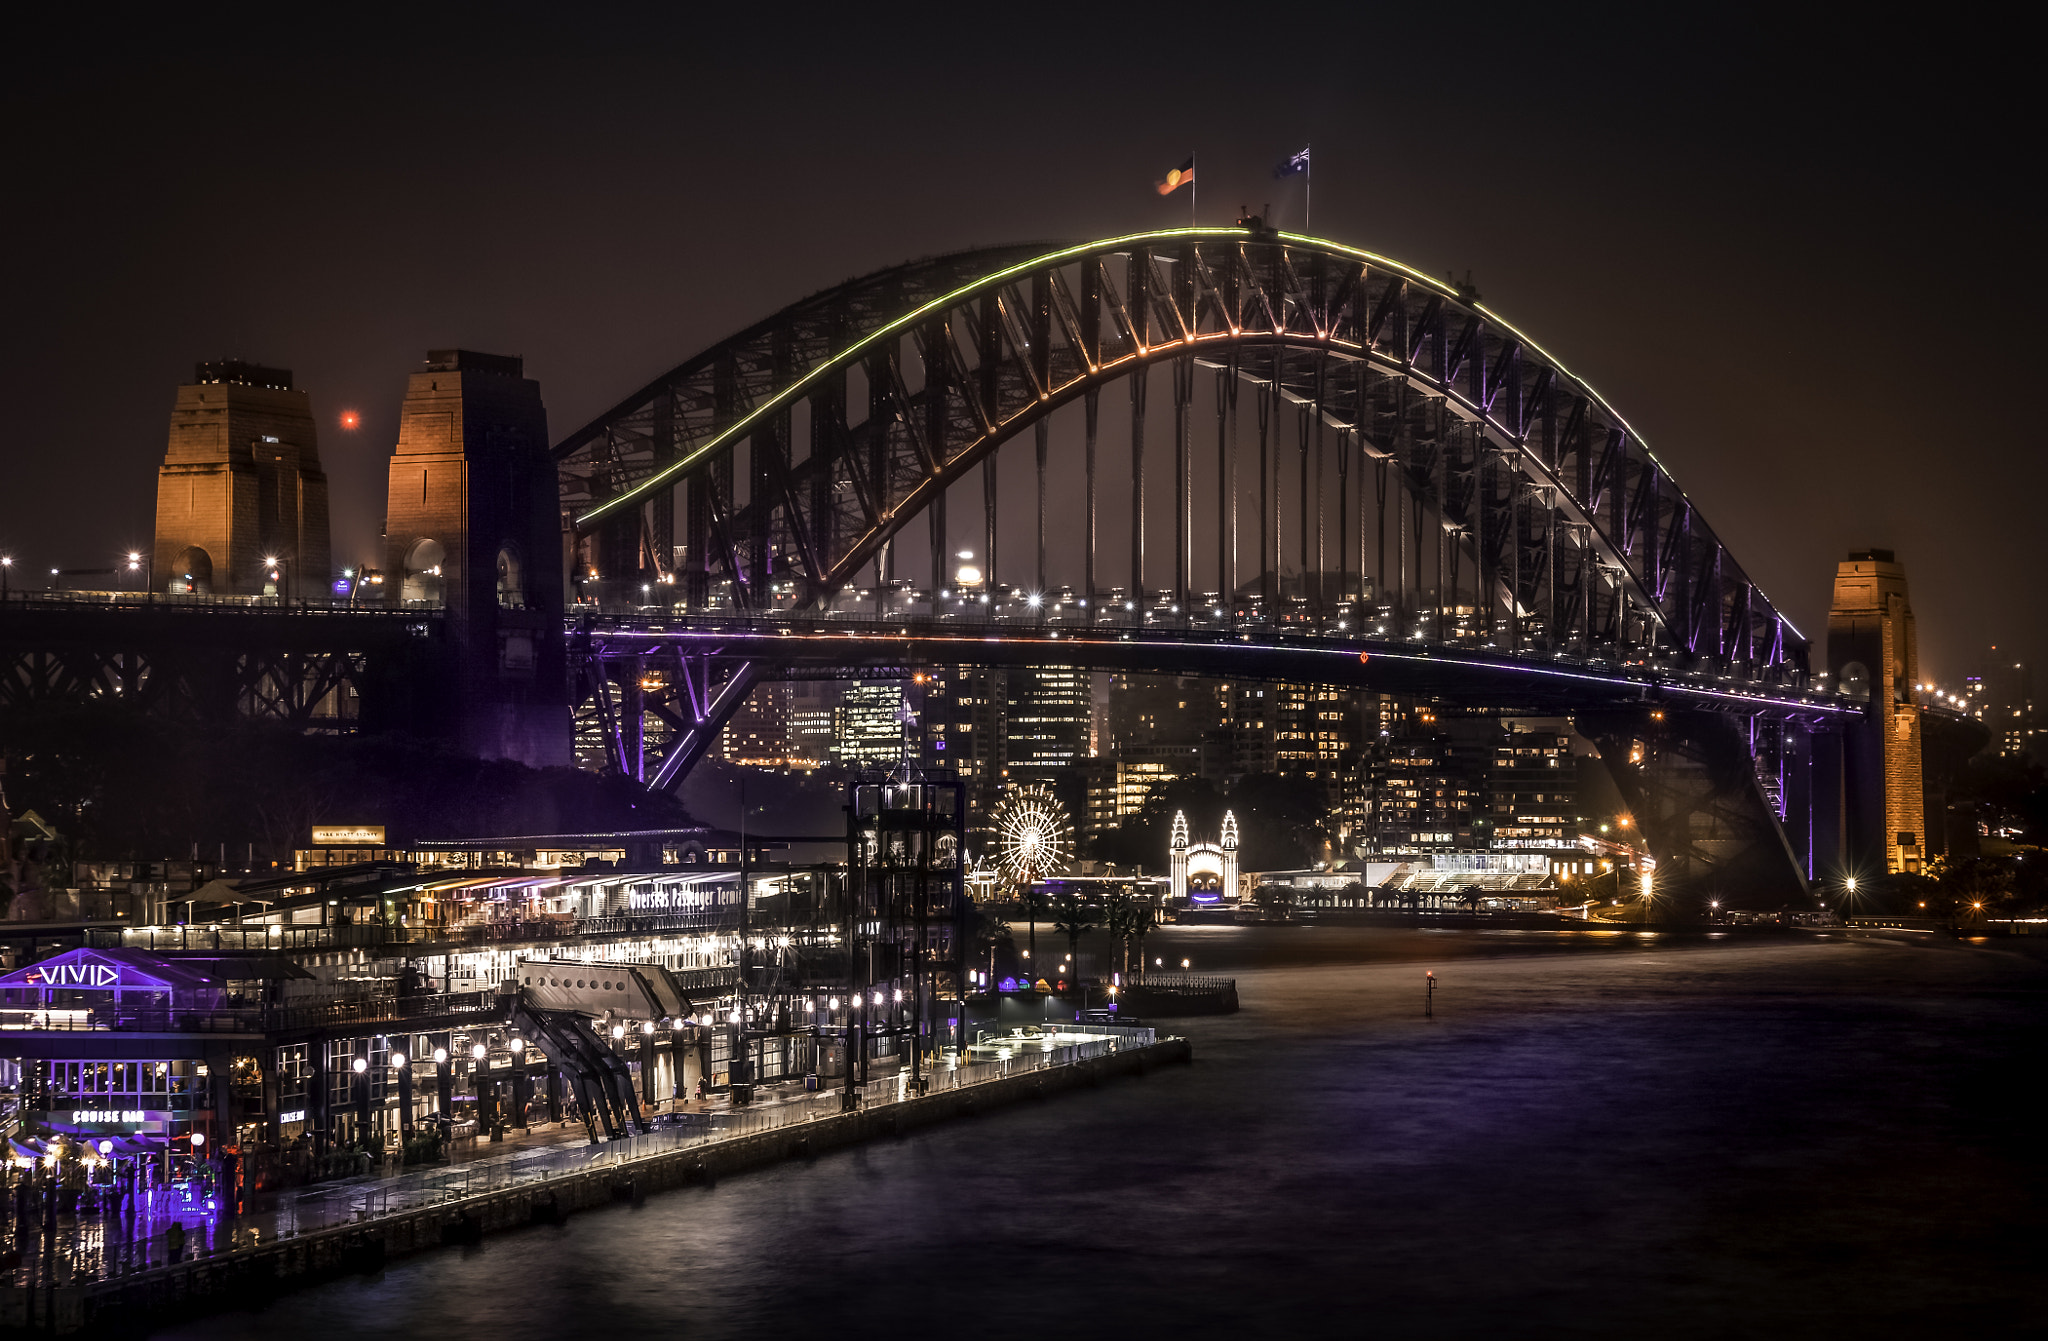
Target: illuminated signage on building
(109, 1115)
(76, 974)
(292, 1115)
(348, 835)
(82, 968)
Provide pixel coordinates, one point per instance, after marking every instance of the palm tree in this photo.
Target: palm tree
(1033, 899)
(990, 934)
(1116, 919)
(1072, 918)
(1144, 917)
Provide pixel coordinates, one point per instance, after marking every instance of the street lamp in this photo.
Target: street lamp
(6, 574)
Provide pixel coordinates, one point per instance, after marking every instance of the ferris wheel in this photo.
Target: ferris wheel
(1033, 835)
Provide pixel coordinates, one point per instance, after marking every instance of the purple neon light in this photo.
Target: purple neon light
(1348, 653)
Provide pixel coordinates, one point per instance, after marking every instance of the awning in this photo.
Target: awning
(219, 891)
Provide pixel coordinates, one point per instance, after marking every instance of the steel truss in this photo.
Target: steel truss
(197, 668)
(1514, 507)
(690, 690)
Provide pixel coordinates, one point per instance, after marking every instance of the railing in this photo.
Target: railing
(378, 1010)
(278, 1017)
(1184, 982)
(247, 939)
(374, 935)
(109, 1019)
(223, 604)
(92, 1251)
(629, 923)
(1366, 627)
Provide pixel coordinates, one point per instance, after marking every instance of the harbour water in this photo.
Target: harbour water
(1588, 1134)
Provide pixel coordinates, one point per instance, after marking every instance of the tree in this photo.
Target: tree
(1139, 920)
(122, 784)
(1142, 839)
(1127, 920)
(1033, 899)
(1072, 917)
(989, 934)
(1280, 817)
(1975, 887)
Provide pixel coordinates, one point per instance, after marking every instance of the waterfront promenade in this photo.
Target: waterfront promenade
(548, 1172)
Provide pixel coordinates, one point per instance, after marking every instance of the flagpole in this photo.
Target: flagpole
(1308, 193)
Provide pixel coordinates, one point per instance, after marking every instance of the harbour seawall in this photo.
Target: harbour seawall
(133, 1303)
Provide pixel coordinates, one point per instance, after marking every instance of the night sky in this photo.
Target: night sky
(1791, 255)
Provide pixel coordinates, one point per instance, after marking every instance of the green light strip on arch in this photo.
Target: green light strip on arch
(910, 319)
(897, 327)
(1499, 321)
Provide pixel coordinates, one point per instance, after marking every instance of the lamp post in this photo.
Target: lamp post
(519, 1082)
(403, 1067)
(6, 574)
(486, 1093)
(361, 1066)
(445, 1083)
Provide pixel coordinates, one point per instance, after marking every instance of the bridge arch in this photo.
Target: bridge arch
(191, 573)
(421, 584)
(1553, 524)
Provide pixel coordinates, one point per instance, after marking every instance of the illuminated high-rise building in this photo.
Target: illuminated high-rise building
(1047, 716)
(867, 726)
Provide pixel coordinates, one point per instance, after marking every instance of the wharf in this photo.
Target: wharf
(360, 1226)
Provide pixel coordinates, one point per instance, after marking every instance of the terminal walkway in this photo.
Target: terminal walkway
(103, 1247)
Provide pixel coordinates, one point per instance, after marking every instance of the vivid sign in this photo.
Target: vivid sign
(79, 968)
(78, 973)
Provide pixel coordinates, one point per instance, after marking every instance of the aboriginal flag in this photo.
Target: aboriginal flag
(1184, 175)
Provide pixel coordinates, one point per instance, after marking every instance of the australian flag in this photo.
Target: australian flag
(1290, 166)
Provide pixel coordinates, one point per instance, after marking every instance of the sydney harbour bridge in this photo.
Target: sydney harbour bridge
(1313, 464)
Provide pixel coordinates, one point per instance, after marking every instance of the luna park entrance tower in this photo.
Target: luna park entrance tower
(472, 528)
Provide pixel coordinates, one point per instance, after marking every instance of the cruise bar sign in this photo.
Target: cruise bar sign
(110, 1121)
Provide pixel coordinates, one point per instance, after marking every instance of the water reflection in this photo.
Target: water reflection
(1597, 1134)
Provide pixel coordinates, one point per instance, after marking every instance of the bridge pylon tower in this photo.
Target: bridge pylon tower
(472, 530)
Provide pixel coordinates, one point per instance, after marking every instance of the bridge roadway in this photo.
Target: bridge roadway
(1220, 647)
(279, 660)
(308, 665)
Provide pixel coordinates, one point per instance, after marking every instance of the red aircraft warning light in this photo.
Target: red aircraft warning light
(350, 420)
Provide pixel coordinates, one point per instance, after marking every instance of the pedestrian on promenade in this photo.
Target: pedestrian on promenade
(174, 1240)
